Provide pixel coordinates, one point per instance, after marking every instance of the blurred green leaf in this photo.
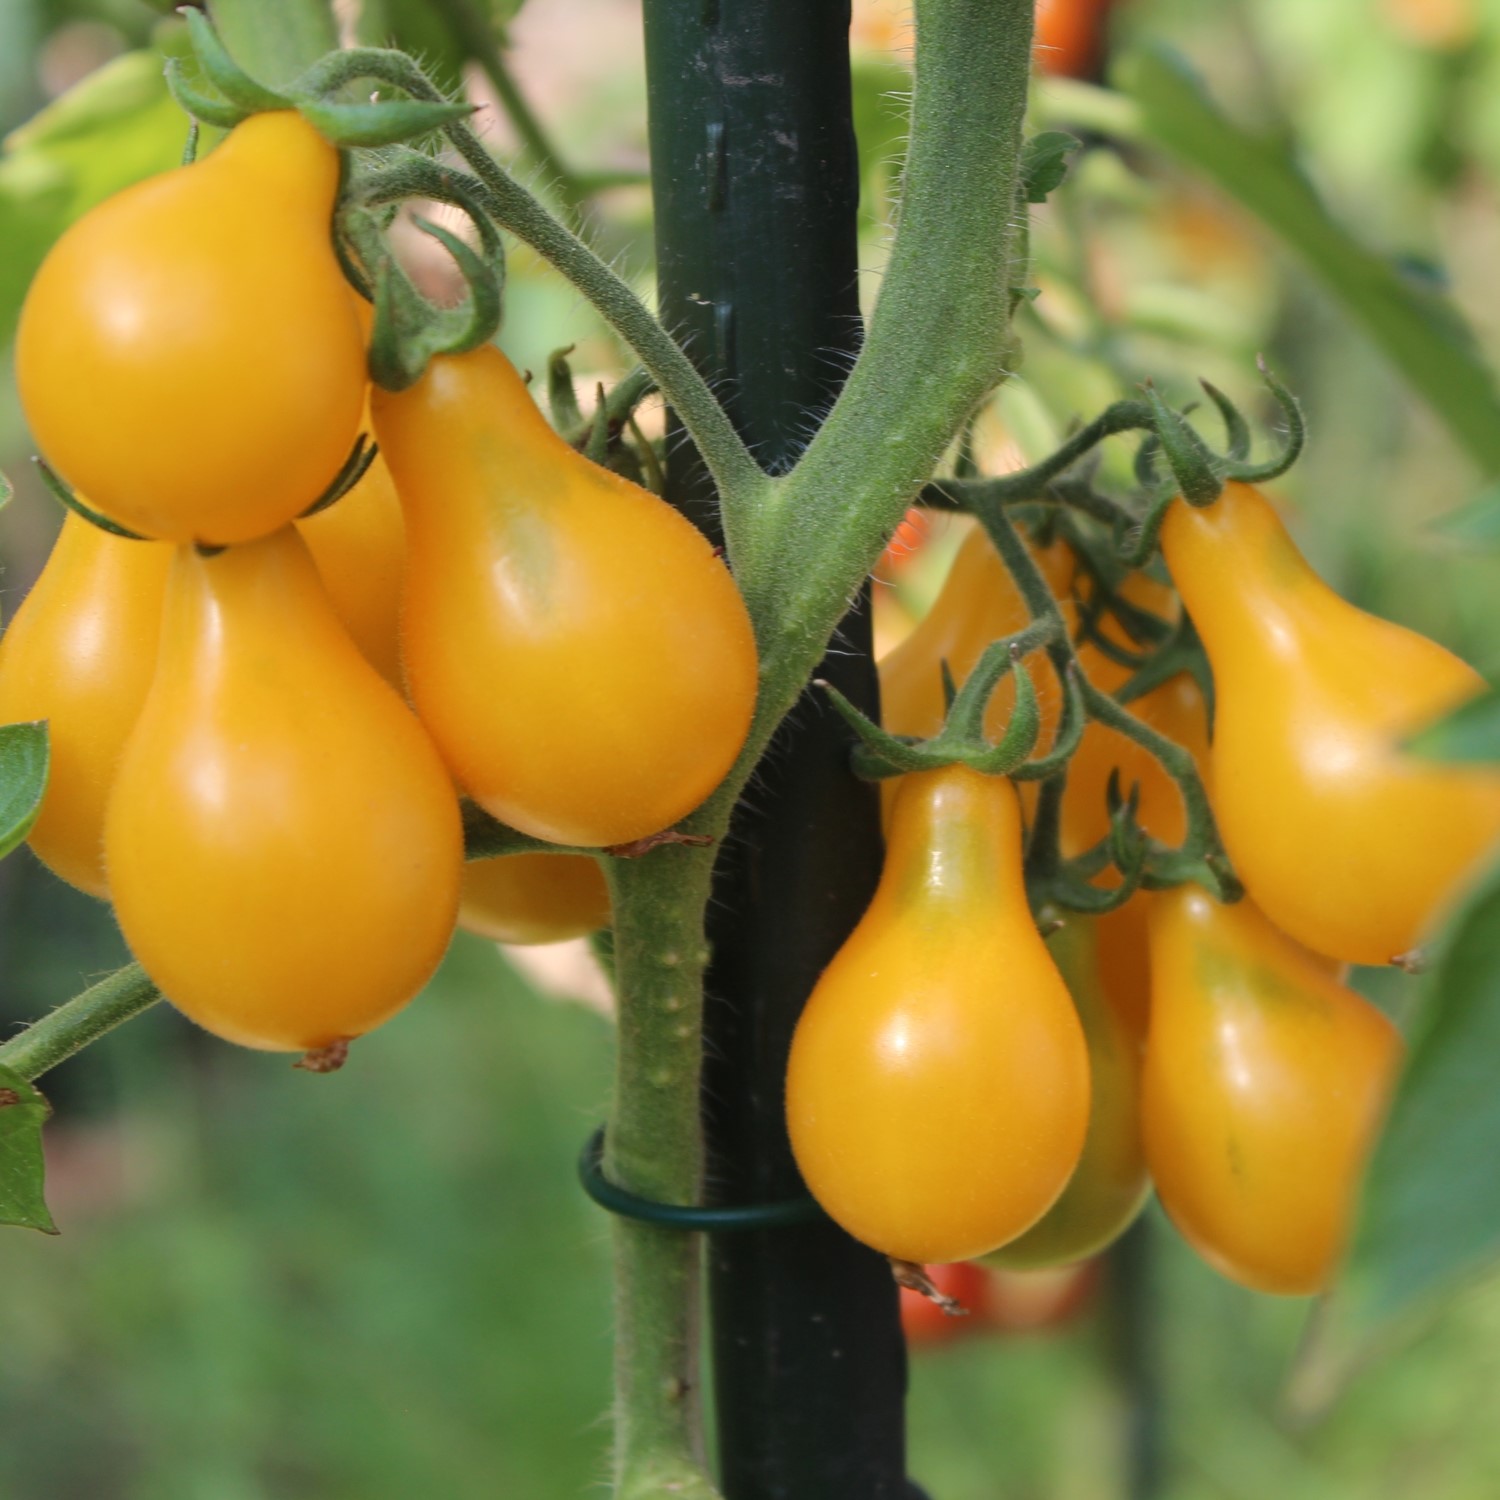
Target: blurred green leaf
(1430, 1223)
(1470, 733)
(116, 127)
(1418, 329)
(22, 1114)
(23, 779)
(1044, 163)
(1475, 524)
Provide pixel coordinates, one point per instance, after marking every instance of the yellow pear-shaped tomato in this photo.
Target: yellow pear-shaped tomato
(534, 898)
(938, 1088)
(1347, 843)
(283, 842)
(1110, 1186)
(188, 355)
(359, 545)
(80, 653)
(1264, 1085)
(582, 659)
(979, 604)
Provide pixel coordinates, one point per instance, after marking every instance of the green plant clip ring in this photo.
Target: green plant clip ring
(691, 1218)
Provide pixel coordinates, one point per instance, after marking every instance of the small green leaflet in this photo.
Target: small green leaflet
(1470, 733)
(23, 779)
(1044, 163)
(22, 1113)
(1430, 1225)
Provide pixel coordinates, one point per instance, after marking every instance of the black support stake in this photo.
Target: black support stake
(755, 178)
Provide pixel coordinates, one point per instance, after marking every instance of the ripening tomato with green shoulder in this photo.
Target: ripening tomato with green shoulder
(1264, 1086)
(188, 354)
(1345, 840)
(80, 653)
(938, 1087)
(1110, 1186)
(534, 898)
(283, 842)
(576, 649)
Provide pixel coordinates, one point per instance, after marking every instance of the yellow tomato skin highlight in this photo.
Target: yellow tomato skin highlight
(938, 1088)
(1264, 1085)
(188, 354)
(579, 654)
(80, 653)
(1345, 841)
(283, 843)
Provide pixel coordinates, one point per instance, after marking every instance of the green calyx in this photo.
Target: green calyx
(236, 96)
(409, 330)
(961, 741)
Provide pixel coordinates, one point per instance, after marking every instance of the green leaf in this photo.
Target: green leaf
(23, 779)
(1430, 1223)
(22, 1113)
(1044, 163)
(1419, 330)
(1470, 733)
(1474, 524)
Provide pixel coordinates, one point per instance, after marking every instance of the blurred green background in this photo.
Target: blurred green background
(386, 1283)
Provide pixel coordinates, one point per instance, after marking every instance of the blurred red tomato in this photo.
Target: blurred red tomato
(1070, 36)
(997, 1301)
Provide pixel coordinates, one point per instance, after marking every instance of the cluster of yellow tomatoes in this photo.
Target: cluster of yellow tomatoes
(959, 1087)
(261, 721)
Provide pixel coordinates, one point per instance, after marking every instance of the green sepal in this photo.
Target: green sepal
(383, 123)
(198, 105)
(23, 1112)
(562, 399)
(63, 494)
(1188, 457)
(408, 330)
(1236, 428)
(24, 760)
(1291, 449)
(596, 449)
(354, 468)
(1073, 721)
(223, 72)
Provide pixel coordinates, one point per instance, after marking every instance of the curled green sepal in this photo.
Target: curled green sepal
(1070, 729)
(198, 105)
(382, 123)
(1236, 428)
(1192, 465)
(562, 399)
(596, 447)
(64, 495)
(961, 740)
(354, 468)
(1291, 450)
(409, 330)
(223, 72)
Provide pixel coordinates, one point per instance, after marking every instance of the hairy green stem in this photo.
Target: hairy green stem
(84, 1019)
(938, 340)
(654, 1147)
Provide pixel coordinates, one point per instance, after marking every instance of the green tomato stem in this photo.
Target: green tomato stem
(84, 1019)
